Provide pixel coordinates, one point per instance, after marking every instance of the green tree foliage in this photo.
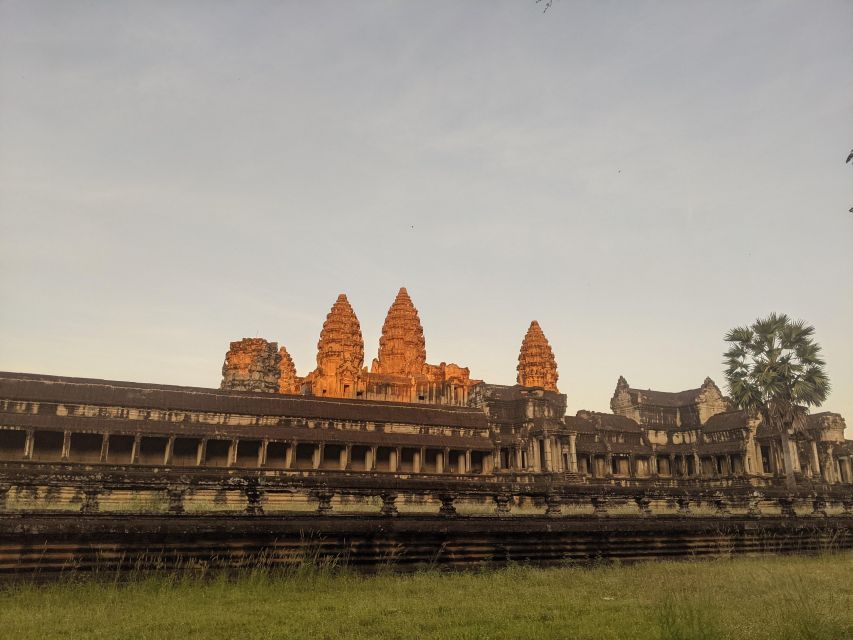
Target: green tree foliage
(775, 370)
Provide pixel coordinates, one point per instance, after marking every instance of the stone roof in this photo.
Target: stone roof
(665, 398)
(43, 388)
(610, 421)
(726, 421)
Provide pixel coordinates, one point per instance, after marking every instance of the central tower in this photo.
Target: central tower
(402, 348)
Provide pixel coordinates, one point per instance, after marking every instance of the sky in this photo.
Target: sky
(639, 177)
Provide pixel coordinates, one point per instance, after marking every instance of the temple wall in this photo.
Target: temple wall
(511, 430)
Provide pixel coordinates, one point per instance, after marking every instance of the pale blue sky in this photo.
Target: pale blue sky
(637, 176)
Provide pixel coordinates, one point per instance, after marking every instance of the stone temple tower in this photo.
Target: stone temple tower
(402, 348)
(340, 354)
(251, 364)
(537, 366)
(288, 381)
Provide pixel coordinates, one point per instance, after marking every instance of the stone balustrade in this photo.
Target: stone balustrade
(393, 496)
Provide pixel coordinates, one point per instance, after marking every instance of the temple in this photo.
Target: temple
(406, 415)
(399, 373)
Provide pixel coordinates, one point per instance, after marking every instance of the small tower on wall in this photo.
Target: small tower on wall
(251, 364)
(288, 381)
(537, 366)
(340, 354)
(402, 348)
(710, 401)
(622, 404)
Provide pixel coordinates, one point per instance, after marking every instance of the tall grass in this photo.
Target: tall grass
(793, 597)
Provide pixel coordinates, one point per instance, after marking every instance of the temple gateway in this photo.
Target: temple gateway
(403, 415)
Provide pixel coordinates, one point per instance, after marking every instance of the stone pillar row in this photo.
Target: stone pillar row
(545, 453)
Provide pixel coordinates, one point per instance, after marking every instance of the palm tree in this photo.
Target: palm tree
(774, 370)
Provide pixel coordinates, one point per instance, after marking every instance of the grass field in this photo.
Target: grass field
(766, 597)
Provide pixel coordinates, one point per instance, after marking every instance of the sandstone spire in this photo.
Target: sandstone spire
(340, 352)
(287, 379)
(536, 364)
(402, 349)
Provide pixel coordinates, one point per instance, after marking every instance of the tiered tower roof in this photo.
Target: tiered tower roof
(341, 347)
(537, 366)
(287, 380)
(402, 348)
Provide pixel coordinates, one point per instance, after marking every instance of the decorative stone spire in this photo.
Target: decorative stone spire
(536, 364)
(340, 352)
(402, 349)
(251, 364)
(287, 379)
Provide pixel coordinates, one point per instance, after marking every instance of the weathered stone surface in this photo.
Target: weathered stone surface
(288, 381)
(251, 364)
(536, 364)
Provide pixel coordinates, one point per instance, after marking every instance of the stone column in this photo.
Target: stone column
(778, 459)
(373, 458)
(418, 460)
(608, 465)
(759, 460)
(232, 452)
(134, 451)
(317, 456)
(697, 464)
(29, 445)
(632, 466)
(573, 453)
(290, 454)
(201, 452)
(343, 458)
(66, 446)
(170, 448)
(105, 447)
(795, 455)
(394, 459)
(815, 460)
(468, 465)
(828, 466)
(653, 463)
(789, 458)
(517, 452)
(262, 453)
(549, 452)
(460, 463)
(496, 457)
(439, 461)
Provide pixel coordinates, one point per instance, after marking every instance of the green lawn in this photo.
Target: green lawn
(766, 597)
